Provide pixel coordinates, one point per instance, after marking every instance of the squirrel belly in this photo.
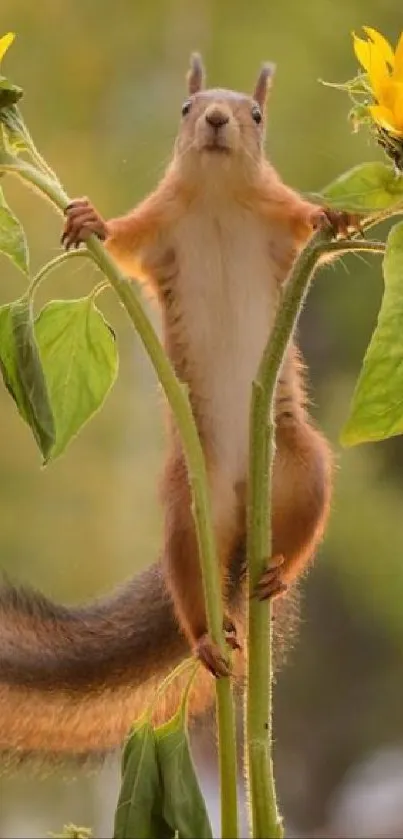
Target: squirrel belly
(215, 241)
(226, 296)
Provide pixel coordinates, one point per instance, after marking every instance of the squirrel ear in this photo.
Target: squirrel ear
(263, 84)
(195, 76)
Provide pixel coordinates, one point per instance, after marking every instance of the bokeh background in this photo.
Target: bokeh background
(103, 89)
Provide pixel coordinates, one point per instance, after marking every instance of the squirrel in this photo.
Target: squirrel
(215, 241)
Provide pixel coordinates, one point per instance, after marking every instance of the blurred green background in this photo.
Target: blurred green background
(103, 87)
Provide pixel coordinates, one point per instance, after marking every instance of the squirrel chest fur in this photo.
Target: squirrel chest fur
(226, 293)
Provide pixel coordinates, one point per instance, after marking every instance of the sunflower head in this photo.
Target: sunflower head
(383, 68)
(377, 91)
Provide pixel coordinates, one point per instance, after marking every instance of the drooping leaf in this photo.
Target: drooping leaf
(80, 360)
(22, 372)
(377, 407)
(139, 811)
(183, 804)
(13, 242)
(367, 188)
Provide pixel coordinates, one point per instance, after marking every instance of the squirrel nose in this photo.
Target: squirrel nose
(217, 118)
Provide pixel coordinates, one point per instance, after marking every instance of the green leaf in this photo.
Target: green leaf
(13, 242)
(377, 407)
(183, 804)
(368, 188)
(139, 810)
(22, 372)
(80, 360)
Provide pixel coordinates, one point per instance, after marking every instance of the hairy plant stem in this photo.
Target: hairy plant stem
(382, 215)
(343, 246)
(60, 259)
(178, 399)
(264, 815)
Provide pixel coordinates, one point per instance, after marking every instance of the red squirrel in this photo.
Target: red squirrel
(215, 241)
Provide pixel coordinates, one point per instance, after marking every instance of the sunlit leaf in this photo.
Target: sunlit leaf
(13, 241)
(377, 407)
(22, 372)
(183, 804)
(368, 188)
(139, 811)
(80, 360)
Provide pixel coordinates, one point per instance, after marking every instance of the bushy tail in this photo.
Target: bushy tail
(73, 680)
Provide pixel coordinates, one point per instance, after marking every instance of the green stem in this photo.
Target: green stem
(54, 263)
(265, 819)
(179, 671)
(98, 289)
(40, 181)
(343, 246)
(177, 397)
(382, 215)
(19, 127)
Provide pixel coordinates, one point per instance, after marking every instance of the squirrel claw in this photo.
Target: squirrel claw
(271, 583)
(342, 223)
(81, 221)
(211, 657)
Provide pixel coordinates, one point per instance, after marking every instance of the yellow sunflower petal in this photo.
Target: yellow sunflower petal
(373, 62)
(386, 119)
(5, 43)
(388, 92)
(378, 74)
(398, 68)
(398, 106)
(362, 51)
(382, 45)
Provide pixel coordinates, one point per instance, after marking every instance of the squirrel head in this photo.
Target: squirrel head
(221, 130)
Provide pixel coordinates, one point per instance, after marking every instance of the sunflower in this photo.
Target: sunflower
(382, 86)
(384, 69)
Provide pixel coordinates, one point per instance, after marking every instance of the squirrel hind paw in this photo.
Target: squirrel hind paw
(271, 583)
(82, 220)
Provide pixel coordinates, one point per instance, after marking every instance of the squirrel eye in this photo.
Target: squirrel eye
(256, 114)
(186, 108)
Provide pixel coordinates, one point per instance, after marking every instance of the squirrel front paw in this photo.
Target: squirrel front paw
(82, 219)
(342, 223)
